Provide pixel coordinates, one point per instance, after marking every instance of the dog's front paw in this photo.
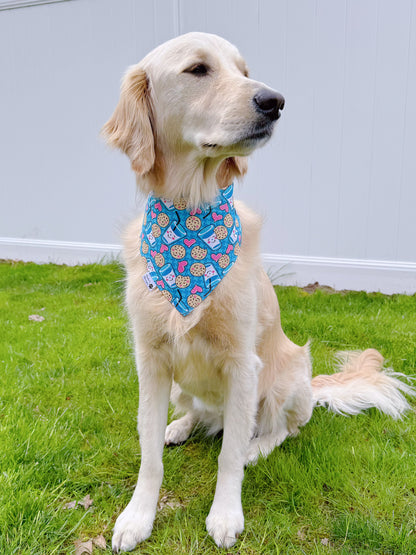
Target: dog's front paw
(225, 526)
(131, 528)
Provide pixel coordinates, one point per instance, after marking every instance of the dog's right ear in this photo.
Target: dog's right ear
(130, 127)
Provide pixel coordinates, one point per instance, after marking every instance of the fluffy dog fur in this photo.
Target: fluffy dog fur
(186, 118)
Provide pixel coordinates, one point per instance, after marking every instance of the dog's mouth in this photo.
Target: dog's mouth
(246, 140)
(256, 135)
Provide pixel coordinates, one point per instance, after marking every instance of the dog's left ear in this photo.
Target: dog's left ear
(130, 127)
(234, 167)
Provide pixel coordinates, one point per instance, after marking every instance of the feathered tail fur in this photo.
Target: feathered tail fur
(362, 383)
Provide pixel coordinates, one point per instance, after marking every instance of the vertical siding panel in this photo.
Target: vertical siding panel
(389, 106)
(357, 128)
(272, 44)
(239, 25)
(235, 20)
(328, 102)
(291, 192)
(165, 21)
(13, 107)
(144, 27)
(406, 225)
(193, 15)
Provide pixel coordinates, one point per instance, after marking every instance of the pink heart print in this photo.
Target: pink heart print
(216, 217)
(197, 211)
(196, 289)
(160, 283)
(164, 248)
(181, 266)
(153, 214)
(216, 257)
(153, 253)
(189, 242)
(158, 206)
(224, 207)
(229, 248)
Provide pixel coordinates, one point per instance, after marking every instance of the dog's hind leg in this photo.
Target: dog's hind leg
(179, 430)
(264, 445)
(277, 421)
(284, 391)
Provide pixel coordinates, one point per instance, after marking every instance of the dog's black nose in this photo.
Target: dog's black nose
(269, 103)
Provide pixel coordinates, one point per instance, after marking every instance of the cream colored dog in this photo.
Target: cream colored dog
(188, 113)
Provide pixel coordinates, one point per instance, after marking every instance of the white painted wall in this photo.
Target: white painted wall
(336, 185)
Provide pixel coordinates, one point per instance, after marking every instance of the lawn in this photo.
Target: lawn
(68, 405)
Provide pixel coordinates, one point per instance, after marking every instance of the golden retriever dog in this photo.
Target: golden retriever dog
(187, 118)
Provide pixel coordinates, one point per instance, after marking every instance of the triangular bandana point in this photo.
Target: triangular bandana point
(189, 252)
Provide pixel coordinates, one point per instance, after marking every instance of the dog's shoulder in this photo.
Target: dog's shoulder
(247, 216)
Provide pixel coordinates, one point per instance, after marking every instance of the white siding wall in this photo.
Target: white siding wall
(336, 185)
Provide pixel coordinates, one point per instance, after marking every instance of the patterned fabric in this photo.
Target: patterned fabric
(189, 252)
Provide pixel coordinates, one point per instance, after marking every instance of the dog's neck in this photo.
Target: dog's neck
(186, 176)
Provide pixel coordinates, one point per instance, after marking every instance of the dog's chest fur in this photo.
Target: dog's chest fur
(198, 370)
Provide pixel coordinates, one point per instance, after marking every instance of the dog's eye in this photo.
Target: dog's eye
(198, 69)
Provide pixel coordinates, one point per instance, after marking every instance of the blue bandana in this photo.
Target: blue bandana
(189, 252)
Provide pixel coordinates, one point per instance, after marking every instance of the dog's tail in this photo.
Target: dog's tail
(362, 383)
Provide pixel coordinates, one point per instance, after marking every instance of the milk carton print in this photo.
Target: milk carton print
(149, 234)
(211, 276)
(234, 235)
(208, 236)
(173, 233)
(228, 195)
(168, 203)
(168, 275)
(183, 307)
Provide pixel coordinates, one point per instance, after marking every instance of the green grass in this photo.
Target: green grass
(68, 405)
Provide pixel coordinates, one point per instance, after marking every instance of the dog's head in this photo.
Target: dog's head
(191, 98)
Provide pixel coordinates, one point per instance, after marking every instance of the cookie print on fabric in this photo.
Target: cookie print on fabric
(189, 252)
